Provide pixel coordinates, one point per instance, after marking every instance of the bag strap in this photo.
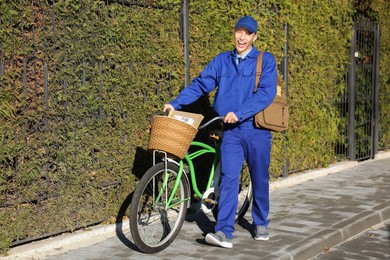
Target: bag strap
(259, 67)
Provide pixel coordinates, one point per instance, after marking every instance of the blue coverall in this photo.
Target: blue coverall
(241, 141)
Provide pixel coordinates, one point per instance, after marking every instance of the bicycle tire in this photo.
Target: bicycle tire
(245, 195)
(153, 226)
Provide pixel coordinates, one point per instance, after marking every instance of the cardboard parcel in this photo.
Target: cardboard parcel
(186, 117)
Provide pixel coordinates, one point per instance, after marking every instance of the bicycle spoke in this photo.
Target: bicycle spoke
(158, 221)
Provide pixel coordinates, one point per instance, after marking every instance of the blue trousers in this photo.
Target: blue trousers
(239, 143)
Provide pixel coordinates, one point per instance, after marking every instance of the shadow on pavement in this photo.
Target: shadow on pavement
(244, 223)
(122, 216)
(194, 214)
(388, 232)
(206, 225)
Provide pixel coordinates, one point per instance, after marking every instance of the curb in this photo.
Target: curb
(65, 242)
(338, 233)
(309, 247)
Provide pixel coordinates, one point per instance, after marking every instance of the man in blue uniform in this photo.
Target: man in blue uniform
(233, 73)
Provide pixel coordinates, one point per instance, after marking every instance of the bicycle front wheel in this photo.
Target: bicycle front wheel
(158, 209)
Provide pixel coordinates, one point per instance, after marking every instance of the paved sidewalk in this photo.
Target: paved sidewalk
(310, 212)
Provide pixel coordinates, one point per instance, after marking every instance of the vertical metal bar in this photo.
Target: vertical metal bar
(84, 76)
(285, 77)
(345, 119)
(1, 53)
(66, 99)
(285, 59)
(145, 94)
(100, 112)
(358, 87)
(363, 98)
(34, 53)
(65, 83)
(45, 86)
(24, 69)
(24, 78)
(376, 90)
(15, 176)
(186, 41)
(2, 62)
(351, 96)
(1, 43)
(12, 47)
(370, 89)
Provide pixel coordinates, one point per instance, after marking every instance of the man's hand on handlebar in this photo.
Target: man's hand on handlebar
(167, 108)
(230, 118)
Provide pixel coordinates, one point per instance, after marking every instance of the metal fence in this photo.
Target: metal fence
(363, 91)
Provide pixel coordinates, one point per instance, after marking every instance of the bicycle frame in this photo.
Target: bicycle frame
(188, 158)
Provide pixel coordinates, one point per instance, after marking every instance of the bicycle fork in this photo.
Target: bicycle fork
(164, 188)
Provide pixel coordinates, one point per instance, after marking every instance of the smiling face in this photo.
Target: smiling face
(244, 40)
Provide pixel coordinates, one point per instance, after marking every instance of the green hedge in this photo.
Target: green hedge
(382, 11)
(69, 142)
(82, 79)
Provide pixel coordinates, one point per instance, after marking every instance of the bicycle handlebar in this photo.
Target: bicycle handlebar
(205, 124)
(210, 121)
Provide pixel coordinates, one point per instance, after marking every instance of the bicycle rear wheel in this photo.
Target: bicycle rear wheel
(154, 223)
(245, 194)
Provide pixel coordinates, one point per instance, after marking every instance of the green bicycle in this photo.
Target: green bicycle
(163, 194)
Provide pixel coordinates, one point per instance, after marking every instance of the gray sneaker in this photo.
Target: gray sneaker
(261, 233)
(219, 239)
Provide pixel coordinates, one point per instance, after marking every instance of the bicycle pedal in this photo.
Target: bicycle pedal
(207, 200)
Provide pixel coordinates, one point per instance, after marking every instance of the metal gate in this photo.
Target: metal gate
(363, 91)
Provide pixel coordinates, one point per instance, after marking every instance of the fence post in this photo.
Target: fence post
(376, 90)
(185, 22)
(351, 97)
(285, 77)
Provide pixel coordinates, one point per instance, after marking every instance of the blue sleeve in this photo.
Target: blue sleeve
(203, 84)
(266, 90)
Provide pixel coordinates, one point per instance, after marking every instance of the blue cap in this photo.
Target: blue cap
(247, 22)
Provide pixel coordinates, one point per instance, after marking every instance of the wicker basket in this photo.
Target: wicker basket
(171, 135)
